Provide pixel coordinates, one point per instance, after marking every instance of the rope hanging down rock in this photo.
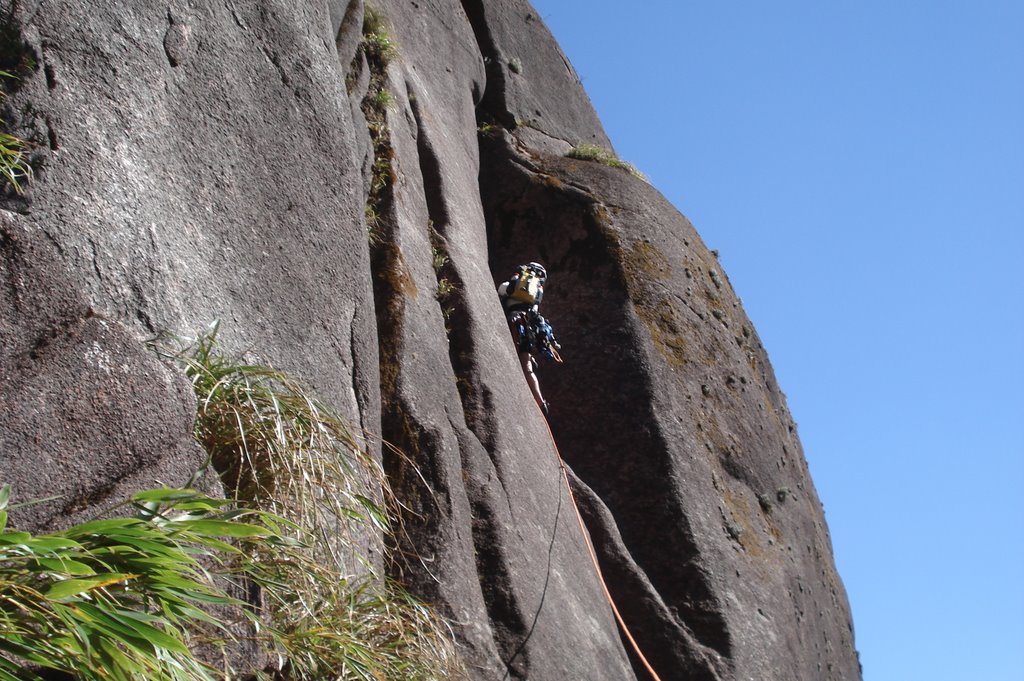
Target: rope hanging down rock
(597, 567)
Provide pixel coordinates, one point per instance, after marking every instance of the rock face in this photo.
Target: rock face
(201, 161)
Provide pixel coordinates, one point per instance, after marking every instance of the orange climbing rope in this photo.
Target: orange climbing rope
(597, 567)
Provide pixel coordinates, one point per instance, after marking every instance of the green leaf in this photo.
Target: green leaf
(140, 623)
(14, 537)
(104, 621)
(73, 587)
(117, 664)
(165, 495)
(103, 527)
(52, 544)
(377, 515)
(5, 496)
(65, 565)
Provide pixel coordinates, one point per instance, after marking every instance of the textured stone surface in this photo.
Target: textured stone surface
(531, 84)
(202, 161)
(89, 414)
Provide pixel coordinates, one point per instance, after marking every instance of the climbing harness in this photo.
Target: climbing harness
(533, 333)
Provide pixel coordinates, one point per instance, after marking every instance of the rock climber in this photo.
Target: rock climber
(521, 296)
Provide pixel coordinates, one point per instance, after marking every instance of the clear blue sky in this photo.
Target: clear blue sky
(860, 167)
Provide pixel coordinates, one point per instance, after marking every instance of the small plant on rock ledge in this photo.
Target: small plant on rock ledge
(444, 288)
(14, 166)
(379, 49)
(593, 152)
(440, 257)
(377, 41)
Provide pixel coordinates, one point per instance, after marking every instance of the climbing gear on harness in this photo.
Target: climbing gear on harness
(533, 333)
(545, 336)
(522, 331)
(528, 284)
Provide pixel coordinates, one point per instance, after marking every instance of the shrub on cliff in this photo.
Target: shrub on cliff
(131, 598)
(280, 450)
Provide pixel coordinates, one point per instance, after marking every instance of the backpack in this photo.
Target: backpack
(527, 287)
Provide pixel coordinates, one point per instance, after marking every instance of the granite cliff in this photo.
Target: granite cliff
(221, 160)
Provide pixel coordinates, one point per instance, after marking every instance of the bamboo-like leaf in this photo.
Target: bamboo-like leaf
(72, 587)
(14, 538)
(50, 544)
(65, 565)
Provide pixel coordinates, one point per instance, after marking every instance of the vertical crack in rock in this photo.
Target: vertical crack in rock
(476, 401)
(392, 285)
(493, 99)
(590, 304)
(475, 435)
(348, 27)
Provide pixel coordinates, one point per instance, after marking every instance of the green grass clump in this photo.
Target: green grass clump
(14, 166)
(282, 451)
(377, 41)
(366, 630)
(593, 152)
(279, 449)
(132, 598)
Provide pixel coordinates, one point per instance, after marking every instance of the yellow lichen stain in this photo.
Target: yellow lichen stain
(644, 266)
(643, 258)
(741, 511)
(662, 323)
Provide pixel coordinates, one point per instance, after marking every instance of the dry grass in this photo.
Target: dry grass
(593, 152)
